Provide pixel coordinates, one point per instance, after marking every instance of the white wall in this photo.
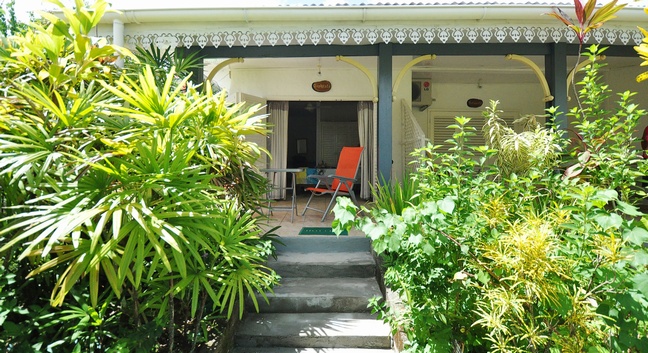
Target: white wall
(403, 91)
(523, 99)
(620, 79)
(624, 79)
(348, 84)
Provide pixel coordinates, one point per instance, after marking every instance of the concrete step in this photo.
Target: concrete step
(307, 350)
(312, 295)
(323, 244)
(324, 264)
(313, 330)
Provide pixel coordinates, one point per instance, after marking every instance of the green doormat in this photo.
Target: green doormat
(319, 231)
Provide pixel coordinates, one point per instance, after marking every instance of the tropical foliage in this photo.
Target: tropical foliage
(588, 16)
(9, 23)
(642, 50)
(128, 196)
(532, 258)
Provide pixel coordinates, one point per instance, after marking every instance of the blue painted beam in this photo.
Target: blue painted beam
(283, 51)
(480, 49)
(472, 49)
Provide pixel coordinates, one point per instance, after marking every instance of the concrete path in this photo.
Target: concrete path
(321, 303)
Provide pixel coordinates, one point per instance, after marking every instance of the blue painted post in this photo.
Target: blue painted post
(197, 77)
(556, 73)
(384, 112)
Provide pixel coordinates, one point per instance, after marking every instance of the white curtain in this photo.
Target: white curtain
(367, 131)
(278, 120)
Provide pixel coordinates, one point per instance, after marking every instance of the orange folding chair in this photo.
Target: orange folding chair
(339, 184)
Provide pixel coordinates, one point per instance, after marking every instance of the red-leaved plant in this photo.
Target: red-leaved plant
(588, 19)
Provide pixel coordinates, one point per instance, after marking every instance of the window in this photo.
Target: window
(438, 131)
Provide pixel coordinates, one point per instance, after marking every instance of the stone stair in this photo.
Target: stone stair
(321, 303)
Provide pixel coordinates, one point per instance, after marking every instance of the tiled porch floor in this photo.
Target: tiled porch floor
(310, 219)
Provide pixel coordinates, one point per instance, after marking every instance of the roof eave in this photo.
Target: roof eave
(286, 15)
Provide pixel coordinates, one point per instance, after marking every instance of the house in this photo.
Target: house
(361, 73)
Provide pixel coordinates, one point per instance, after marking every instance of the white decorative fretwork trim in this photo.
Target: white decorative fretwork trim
(370, 36)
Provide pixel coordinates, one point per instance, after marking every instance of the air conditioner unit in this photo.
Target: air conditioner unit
(421, 93)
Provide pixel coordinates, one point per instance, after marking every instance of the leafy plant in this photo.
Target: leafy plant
(395, 196)
(520, 258)
(162, 61)
(422, 245)
(588, 16)
(519, 152)
(642, 50)
(130, 199)
(9, 23)
(606, 151)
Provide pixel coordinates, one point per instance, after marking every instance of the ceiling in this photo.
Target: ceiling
(455, 69)
(470, 69)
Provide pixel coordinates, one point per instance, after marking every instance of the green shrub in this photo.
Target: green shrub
(507, 257)
(128, 197)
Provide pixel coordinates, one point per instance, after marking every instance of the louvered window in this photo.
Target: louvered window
(439, 133)
(333, 136)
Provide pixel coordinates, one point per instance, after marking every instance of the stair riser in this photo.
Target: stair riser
(308, 350)
(315, 305)
(324, 244)
(314, 342)
(321, 303)
(324, 271)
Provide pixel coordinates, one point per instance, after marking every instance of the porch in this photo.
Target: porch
(287, 228)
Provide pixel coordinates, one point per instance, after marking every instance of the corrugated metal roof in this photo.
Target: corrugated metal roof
(242, 4)
(630, 3)
(442, 3)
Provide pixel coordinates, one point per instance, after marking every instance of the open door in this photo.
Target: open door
(259, 139)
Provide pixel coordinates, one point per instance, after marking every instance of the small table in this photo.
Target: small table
(293, 206)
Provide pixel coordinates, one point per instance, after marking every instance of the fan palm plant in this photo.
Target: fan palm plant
(161, 61)
(124, 182)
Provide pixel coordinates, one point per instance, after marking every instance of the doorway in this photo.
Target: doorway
(317, 131)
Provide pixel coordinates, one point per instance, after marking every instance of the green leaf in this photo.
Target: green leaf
(428, 248)
(415, 239)
(345, 213)
(640, 283)
(564, 304)
(447, 205)
(379, 246)
(605, 195)
(410, 215)
(483, 277)
(375, 231)
(394, 242)
(115, 283)
(607, 221)
(640, 258)
(629, 209)
(636, 235)
(429, 208)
